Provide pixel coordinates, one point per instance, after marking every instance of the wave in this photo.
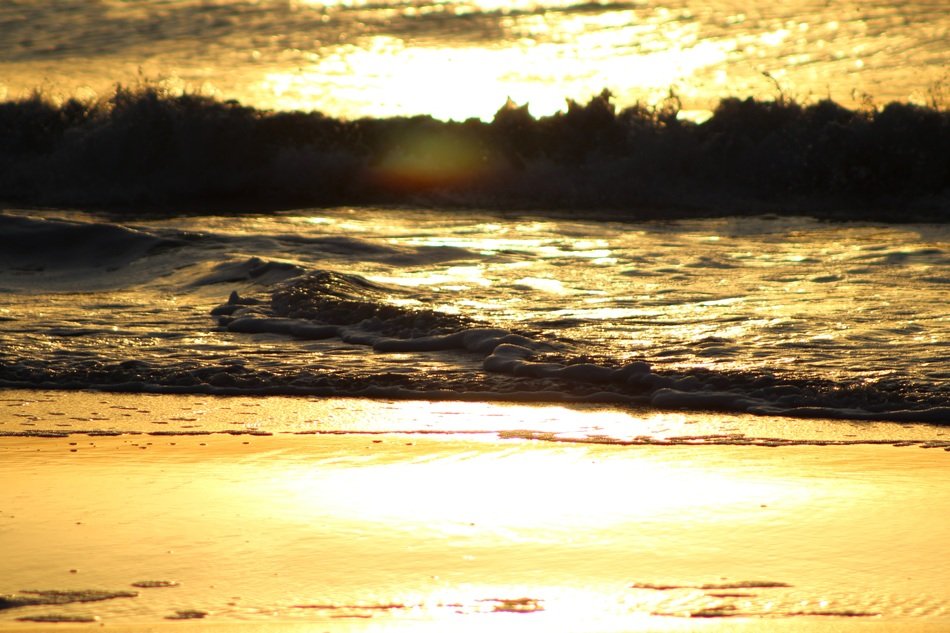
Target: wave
(325, 304)
(478, 360)
(32, 243)
(145, 149)
(298, 326)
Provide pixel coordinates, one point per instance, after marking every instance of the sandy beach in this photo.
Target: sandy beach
(357, 529)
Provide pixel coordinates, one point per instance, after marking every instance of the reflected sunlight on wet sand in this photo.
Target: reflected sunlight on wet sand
(402, 531)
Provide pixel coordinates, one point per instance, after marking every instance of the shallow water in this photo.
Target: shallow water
(52, 414)
(463, 59)
(775, 316)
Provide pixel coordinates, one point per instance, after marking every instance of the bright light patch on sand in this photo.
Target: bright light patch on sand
(455, 531)
(532, 496)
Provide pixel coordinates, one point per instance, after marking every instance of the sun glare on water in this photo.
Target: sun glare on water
(548, 56)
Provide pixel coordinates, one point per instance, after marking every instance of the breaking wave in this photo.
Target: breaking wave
(146, 149)
(325, 304)
(39, 244)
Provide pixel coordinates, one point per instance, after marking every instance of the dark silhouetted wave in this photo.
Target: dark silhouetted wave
(38, 244)
(144, 149)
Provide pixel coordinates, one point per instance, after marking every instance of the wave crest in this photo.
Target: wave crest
(40, 244)
(148, 149)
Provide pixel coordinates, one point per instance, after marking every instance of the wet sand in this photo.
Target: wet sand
(406, 531)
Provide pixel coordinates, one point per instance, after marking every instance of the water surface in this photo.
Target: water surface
(769, 315)
(462, 59)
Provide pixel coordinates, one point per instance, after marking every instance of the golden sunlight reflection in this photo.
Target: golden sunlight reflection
(453, 278)
(521, 239)
(386, 76)
(552, 286)
(534, 495)
(422, 515)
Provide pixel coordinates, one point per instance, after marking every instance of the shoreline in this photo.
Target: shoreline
(815, 625)
(408, 531)
(48, 413)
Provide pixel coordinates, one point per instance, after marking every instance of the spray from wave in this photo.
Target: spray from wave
(147, 149)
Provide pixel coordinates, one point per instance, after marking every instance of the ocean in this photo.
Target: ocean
(773, 315)
(464, 59)
(548, 315)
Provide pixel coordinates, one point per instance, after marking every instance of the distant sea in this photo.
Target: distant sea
(464, 59)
